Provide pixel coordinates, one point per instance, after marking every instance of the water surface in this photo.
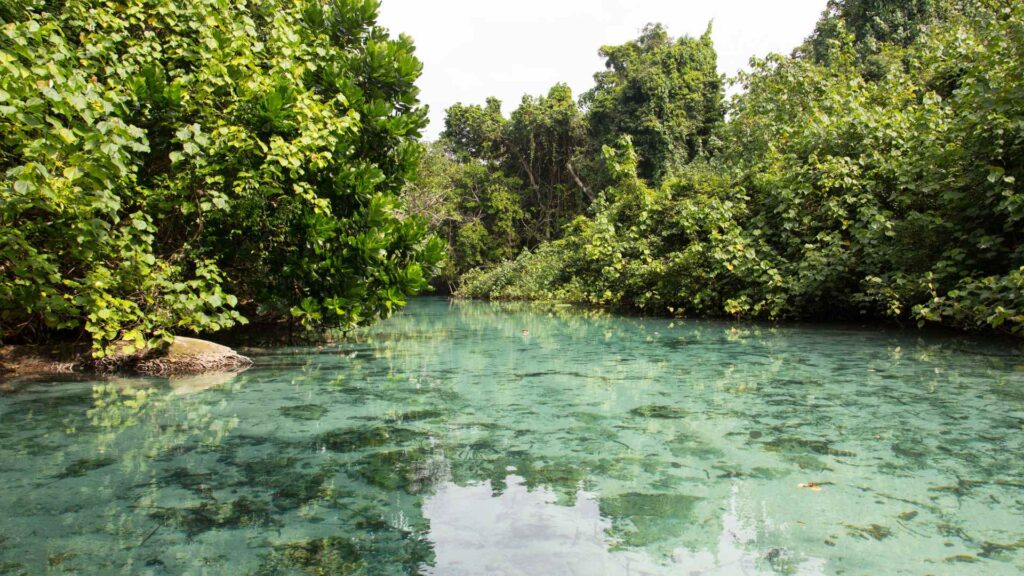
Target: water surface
(449, 441)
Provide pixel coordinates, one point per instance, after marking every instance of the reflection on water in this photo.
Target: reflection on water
(449, 440)
(520, 531)
(475, 531)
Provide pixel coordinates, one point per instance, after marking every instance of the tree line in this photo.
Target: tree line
(874, 173)
(185, 167)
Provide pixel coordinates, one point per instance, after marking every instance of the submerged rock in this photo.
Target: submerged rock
(304, 412)
(199, 383)
(643, 519)
(876, 531)
(382, 549)
(656, 411)
(83, 466)
(353, 439)
(244, 512)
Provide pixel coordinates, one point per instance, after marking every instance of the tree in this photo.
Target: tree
(473, 131)
(666, 94)
(836, 195)
(544, 139)
(873, 24)
(524, 164)
(166, 165)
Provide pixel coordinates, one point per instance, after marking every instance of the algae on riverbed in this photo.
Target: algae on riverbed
(672, 459)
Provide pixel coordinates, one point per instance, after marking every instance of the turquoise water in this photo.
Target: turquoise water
(448, 441)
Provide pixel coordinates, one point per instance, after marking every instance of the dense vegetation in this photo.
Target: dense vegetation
(170, 166)
(494, 186)
(875, 173)
(181, 167)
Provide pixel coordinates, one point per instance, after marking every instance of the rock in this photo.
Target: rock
(193, 356)
(184, 357)
(184, 347)
(192, 384)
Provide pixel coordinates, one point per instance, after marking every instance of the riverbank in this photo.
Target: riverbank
(185, 356)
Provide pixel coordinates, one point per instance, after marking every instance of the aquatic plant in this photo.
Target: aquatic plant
(243, 512)
(643, 519)
(352, 439)
(83, 466)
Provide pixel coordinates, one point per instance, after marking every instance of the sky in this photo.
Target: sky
(472, 49)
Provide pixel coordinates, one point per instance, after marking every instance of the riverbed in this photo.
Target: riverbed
(474, 438)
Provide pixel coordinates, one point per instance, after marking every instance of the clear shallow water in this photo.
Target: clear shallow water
(445, 441)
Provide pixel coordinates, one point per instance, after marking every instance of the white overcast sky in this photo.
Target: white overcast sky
(472, 49)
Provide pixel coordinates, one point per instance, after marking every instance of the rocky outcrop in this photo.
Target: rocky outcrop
(185, 356)
(193, 356)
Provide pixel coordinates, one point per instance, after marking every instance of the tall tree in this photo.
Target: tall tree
(543, 140)
(665, 93)
(872, 24)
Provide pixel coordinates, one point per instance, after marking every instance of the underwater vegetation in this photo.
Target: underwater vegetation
(241, 513)
(657, 411)
(644, 519)
(373, 436)
(304, 412)
(83, 466)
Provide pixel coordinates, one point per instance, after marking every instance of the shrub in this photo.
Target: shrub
(166, 165)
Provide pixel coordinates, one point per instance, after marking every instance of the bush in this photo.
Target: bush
(838, 194)
(168, 165)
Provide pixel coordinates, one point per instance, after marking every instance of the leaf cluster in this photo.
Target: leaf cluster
(168, 166)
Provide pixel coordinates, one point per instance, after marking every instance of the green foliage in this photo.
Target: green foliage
(473, 131)
(665, 93)
(538, 275)
(836, 195)
(540, 145)
(873, 23)
(477, 209)
(166, 165)
(513, 183)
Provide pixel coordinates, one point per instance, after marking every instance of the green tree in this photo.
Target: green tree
(544, 141)
(836, 195)
(167, 164)
(873, 24)
(473, 131)
(665, 93)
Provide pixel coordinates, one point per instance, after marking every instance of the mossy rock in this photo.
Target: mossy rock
(354, 439)
(403, 469)
(794, 445)
(875, 531)
(289, 487)
(241, 513)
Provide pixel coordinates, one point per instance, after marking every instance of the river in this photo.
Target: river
(475, 438)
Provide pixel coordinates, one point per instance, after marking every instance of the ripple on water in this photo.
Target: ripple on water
(444, 441)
